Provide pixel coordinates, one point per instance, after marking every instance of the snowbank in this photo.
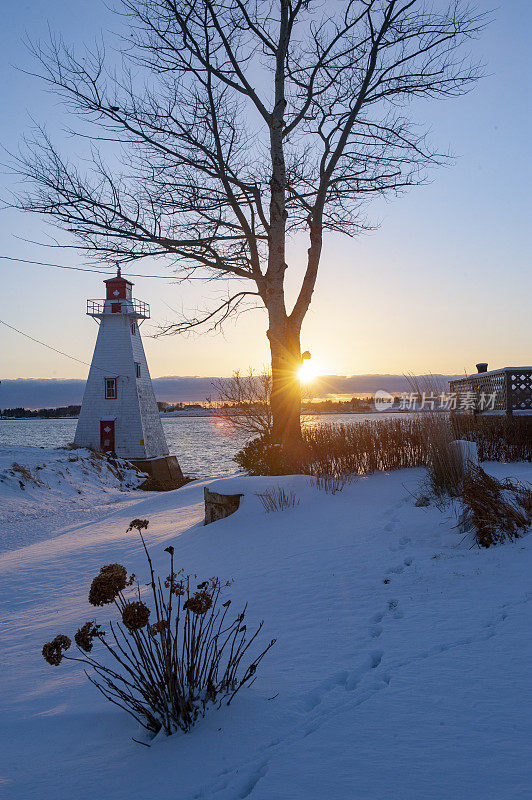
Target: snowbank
(48, 485)
(401, 669)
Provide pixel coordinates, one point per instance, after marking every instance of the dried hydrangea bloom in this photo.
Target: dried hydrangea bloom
(138, 524)
(199, 603)
(159, 627)
(85, 635)
(52, 652)
(106, 586)
(175, 586)
(135, 615)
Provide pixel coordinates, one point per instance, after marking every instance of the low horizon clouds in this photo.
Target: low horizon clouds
(53, 392)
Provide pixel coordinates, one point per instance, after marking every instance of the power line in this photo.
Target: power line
(87, 269)
(49, 346)
(79, 269)
(59, 266)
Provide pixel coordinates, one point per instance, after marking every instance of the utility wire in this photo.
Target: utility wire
(87, 269)
(59, 266)
(49, 346)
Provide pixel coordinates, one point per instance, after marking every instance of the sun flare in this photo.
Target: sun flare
(308, 371)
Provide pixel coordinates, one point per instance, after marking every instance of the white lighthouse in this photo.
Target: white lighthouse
(119, 412)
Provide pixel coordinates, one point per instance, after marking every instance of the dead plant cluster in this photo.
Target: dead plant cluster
(26, 474)
(165, 663)
(494, 511)
(277, 499)
(333, 451)
(498, 437)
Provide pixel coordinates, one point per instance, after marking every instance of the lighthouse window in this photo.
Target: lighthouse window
(110, 388)
(137, 365)
(133, 328)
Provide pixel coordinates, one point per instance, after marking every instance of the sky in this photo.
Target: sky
(444, 282)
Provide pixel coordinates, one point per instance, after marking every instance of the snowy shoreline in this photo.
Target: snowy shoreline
(214, 412)
(43, 490)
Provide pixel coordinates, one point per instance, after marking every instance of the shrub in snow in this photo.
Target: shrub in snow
(340, 450)
(494, 511)
(277, 499)
(330, 482)
(165, 674)
(498, 438)
(264, 457)
(392, 443)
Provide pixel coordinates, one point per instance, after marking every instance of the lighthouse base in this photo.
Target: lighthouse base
(164, 473)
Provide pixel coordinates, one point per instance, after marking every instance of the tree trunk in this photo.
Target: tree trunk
(284, 336)
(285, 351)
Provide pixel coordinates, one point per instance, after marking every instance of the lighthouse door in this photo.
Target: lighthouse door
(107, 435)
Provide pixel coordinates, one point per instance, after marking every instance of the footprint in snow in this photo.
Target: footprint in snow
(358, 674)
(314, 698)
(391, 525)
(402, 542)
(393, 608)
(251, 782)
(400, 567)
(395, 570)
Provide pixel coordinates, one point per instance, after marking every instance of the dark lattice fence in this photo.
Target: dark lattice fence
(506, 390)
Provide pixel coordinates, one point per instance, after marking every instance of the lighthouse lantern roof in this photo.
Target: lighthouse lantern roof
(118, 288)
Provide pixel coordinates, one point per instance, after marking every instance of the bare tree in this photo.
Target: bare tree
(246, 402)
(236, 124)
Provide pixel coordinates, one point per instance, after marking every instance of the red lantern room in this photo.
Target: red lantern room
(118, 288)
(118, 300)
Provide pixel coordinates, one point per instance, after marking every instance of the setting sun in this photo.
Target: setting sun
(307, 371)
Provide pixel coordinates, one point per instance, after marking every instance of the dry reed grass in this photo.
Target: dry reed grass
(421, 440)
(495, 511)
(277, 499)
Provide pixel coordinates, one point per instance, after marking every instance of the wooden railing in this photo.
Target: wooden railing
(504, 390)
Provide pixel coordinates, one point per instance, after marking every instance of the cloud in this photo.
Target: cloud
(49, 393)
(334, 385)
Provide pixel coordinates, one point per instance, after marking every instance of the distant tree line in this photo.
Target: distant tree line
(47, 413)
(166, 407)
(345, 406)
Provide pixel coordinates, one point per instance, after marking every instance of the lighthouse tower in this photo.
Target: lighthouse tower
(119, 412)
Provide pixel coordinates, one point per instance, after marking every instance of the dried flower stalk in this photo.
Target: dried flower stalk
(166, 673)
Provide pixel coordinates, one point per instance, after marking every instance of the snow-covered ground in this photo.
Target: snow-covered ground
(45, 489)
(401, 669)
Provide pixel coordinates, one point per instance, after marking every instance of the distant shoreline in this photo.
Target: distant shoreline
(206, 414)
